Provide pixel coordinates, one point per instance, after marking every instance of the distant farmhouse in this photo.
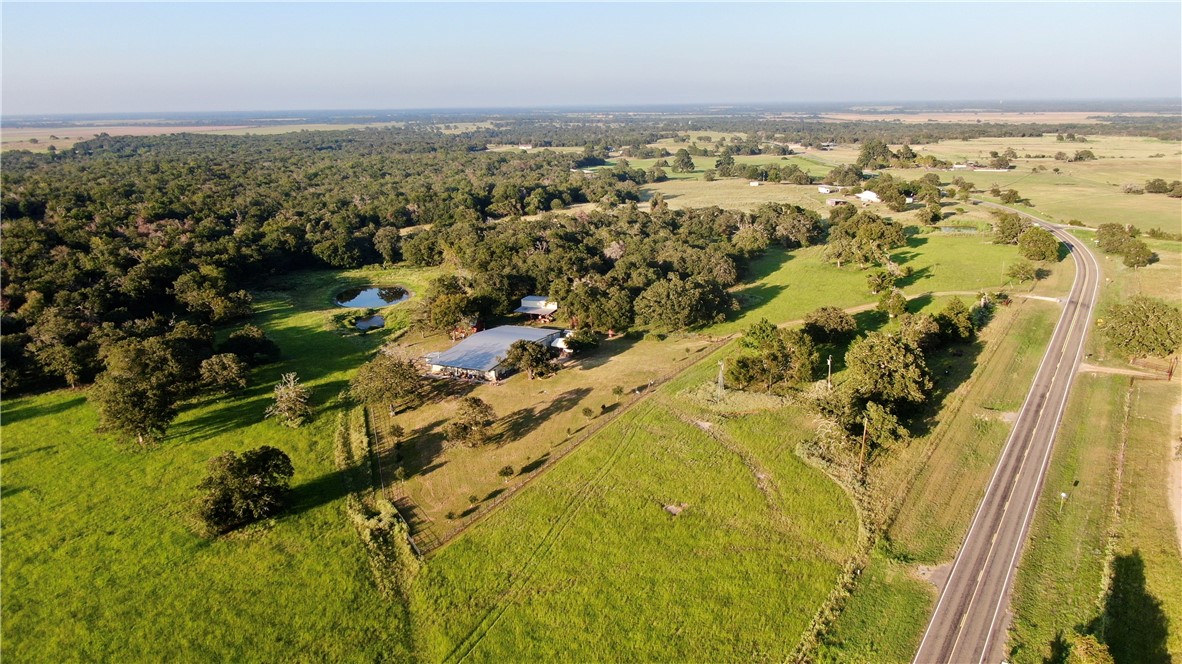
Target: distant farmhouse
(868, 197)
(482, 355)
(829, 188)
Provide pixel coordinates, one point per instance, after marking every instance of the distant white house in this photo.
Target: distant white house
(829, 189)
(537, 306)
(755, 183)
(868, 197)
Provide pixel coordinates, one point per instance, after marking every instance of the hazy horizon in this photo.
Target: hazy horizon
(102, 59)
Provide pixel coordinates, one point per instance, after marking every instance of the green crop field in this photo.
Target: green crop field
(100, 557)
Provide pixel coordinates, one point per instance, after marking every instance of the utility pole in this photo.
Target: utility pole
(721, 368)
(829, 378)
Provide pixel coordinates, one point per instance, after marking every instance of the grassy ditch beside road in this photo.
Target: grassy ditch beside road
(885, 616)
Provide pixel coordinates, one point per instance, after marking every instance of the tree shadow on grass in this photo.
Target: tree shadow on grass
(904, 257)
(420, 451)
(441, 389)
(950, 366)
(220, 420)
(29, 409)
(521, 422)
(917, 303)
(916, 275)
(534, 465)
(755, 295)
(768, 264)
(604, 352)
(871, 320)
(315, 492)
(1133, 625)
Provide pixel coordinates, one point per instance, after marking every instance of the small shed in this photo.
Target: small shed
(834, 202)
(868, 197)
(538, 307)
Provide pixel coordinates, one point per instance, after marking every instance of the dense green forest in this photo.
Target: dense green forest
(124, 236)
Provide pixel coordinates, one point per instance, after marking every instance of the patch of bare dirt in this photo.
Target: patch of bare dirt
(937, 575)
(1084, 367)
(676, 509)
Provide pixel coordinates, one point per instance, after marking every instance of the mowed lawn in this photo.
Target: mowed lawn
(587, 564)
(100, 557)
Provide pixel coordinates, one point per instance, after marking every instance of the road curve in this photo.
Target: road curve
(971, 617)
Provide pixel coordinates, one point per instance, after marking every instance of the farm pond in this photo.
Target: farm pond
(371, 297)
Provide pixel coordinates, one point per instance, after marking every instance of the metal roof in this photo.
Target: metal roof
(536, 311)
(483, 351)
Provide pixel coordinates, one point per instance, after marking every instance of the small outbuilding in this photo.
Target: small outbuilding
(834, 202)
(868, 197)
(829, 188)
(537, 307)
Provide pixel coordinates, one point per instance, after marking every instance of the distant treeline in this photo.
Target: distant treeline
(178, 227)
(543, 132)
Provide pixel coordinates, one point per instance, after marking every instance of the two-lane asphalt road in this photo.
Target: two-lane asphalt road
(970, 619)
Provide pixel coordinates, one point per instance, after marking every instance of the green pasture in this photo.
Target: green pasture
(583, 556)
(538, 420)
(787, 285)
(1089, 191)
(101, 560)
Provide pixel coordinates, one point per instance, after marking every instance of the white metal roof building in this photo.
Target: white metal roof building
(536, 305)
(482, 354)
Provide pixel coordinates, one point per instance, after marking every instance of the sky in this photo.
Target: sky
(174, 57)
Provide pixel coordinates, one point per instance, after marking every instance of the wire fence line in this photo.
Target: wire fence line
(420, 527)
(423, 532)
